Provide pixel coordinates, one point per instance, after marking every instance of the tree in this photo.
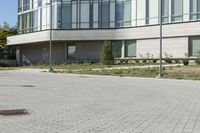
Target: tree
(107, 58)
(6, 31)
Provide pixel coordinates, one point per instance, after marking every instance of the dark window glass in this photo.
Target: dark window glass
(117, 49)
(71, 51)
(177, 10)
(104, 14)
(66, 14)
(26, 5)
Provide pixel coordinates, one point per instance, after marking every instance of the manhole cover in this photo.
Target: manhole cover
(14, 112)
(27, 86)
(84, 76)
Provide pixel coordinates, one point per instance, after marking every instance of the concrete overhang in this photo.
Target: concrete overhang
(147, 32)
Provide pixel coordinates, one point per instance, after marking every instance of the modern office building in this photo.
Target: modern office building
(81, 26)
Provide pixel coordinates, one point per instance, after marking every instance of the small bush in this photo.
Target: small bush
(197, 61)
(137, 61)
(117, 71)
(185, 62)
(168, 60)
(154, 60)
(107, 58)
(176, 61)
(144, 61)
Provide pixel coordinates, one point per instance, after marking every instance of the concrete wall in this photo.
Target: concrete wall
(33, 55)
(9, 62)
(177, 47)
(89, 50)
(39, 53)
(138, 33)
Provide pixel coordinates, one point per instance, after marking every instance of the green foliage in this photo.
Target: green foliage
(5, 31)
(144, 61)
(107, 58)
(168, 58)
(176, 60)
(185, 62)
(197, 60)
(154, 60)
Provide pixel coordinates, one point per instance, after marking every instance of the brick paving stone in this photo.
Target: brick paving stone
(67, 103)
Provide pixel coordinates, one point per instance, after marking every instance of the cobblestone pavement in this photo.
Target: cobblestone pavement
(62, 103)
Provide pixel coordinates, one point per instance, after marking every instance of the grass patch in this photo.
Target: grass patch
(132, 72)
(7, 68)
(186, 72)
(191, 72)
(68, 66)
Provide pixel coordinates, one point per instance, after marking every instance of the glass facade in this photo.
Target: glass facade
(34, 15)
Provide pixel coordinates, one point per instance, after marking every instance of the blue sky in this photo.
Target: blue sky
(8, 12)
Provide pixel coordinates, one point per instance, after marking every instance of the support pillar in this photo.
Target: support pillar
(123, 50)
(19, 56)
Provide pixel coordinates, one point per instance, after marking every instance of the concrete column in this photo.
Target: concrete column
(19, 55)
(123, 50)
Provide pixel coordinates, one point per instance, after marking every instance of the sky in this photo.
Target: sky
(8, 12)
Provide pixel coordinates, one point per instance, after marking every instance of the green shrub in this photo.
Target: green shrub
(168, 60)
(121, 61)
(185, 62)
(197, 61)
(154, 60)
(137, 61)
(176, 60)
(117, 71)
(107, 58)
(144, 61)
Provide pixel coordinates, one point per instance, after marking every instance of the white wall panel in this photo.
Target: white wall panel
(175, 47)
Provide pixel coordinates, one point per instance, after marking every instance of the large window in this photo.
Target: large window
(151, 12)
(194, 9)
(39, 3)
(95, 13)
(123, 13)
(26, 23)
(35, 20)
(20, 5)
(104, 13)
(20, 24)
(194, 47)
(26, 5)
(74, 14)
(141, 12)
(117, 49)
(71, 51)
(56, 15)
(165, 11)
(177, 10)
(130, 48)
(85, 14)
(66, 14)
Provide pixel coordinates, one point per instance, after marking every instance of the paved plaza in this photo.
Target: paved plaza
(66, 103)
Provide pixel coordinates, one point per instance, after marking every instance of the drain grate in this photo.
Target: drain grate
(14, 112)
